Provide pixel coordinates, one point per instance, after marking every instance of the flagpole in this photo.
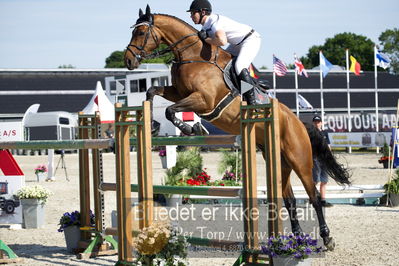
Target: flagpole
(321, 92)
(274, 83)
(348, 97)
(376, 93)
(296, 91)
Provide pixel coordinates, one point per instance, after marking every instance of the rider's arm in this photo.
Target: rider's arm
(220, 38)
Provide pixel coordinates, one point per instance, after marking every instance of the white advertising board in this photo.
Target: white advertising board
(11, 131)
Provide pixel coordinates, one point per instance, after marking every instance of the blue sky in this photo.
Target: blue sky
(49, 33)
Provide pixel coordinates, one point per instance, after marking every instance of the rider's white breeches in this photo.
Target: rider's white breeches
(245, 52)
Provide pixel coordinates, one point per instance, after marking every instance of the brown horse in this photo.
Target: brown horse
(198, 86)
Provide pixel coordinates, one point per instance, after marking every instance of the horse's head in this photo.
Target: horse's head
(144, 40)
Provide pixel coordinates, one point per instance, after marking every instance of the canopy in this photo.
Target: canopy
(100, 102)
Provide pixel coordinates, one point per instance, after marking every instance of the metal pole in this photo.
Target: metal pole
(376, 94)
(348, 97)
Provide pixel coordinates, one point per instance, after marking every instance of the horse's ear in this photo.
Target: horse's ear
(148, 10)
(140, 12)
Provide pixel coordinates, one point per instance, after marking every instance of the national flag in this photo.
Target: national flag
(299, 68)
(325, 65)
(355, 66)
(252, 72)
(279, 67)
(382, 60)
(303, 103)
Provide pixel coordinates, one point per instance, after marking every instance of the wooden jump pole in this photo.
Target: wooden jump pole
(273, 171)
(144, 166)
(96, 247)
(123, 192)
(84, 178)
(250, 196)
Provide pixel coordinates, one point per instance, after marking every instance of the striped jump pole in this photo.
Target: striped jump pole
(79, 144)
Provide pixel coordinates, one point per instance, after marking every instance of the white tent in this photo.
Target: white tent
(100, 102)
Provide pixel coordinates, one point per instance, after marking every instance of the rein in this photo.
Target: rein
(158, 53)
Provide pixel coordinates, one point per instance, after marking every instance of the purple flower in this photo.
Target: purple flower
(299, 247)
(298, 255)
(308, 251)
(162, 153)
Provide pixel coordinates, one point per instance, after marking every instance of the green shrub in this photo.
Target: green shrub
(231, 162)
(188, 163)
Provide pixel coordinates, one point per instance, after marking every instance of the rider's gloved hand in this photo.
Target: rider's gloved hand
(202, 34)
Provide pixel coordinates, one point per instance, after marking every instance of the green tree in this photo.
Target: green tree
(389, 39)
(115, 60)
(334, 48)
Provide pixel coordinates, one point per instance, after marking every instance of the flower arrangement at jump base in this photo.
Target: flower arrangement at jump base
(290, 247)
(41, 168)
(34, 192)
(71, 219)
(203, 179)
(159, 244)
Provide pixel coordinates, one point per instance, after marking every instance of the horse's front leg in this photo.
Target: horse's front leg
(168, 92)
(193, 103)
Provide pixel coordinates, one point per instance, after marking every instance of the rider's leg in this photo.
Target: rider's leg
(247, 53)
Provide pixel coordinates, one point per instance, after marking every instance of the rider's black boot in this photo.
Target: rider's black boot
(249, 96)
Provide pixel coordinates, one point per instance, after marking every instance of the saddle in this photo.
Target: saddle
(234, 83)
(237, 87)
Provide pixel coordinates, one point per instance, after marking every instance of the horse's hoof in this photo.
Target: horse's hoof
(155, 127)
(198, 130)
(329, 243)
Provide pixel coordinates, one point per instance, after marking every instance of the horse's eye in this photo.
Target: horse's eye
(140, 33)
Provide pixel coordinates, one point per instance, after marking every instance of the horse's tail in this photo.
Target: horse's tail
(322, 152)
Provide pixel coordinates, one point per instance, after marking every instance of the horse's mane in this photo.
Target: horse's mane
(178, 19)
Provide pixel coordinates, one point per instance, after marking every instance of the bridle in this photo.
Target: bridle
(150, 32)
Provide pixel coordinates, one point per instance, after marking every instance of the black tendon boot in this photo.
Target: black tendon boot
(249, 96)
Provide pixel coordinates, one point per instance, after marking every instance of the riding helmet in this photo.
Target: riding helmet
(198, 5)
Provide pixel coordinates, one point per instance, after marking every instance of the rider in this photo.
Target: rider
(244, 42)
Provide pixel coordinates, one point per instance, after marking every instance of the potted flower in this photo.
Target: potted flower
(69, 224)
(40, 171)
(159, 244)
(162, 155)
(386, 158)
(188, 163)
(392, 188)
(291, 249)
(33, 199)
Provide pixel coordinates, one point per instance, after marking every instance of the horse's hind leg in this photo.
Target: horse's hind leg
(305, 174)
(289, 199)
(193, 103)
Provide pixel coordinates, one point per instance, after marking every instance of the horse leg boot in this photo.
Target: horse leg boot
(324, 231)
(249, 96)
(170, 114)
(290, 205)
